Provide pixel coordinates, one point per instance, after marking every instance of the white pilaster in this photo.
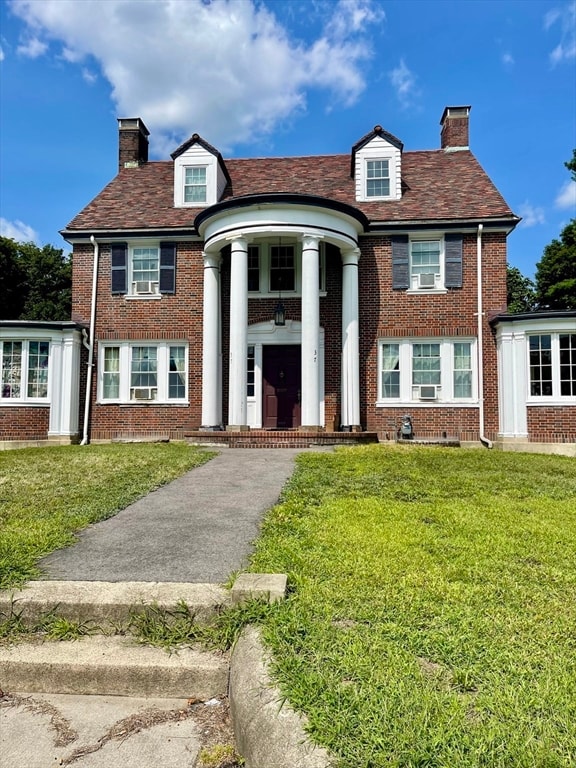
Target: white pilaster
(211, 399)
(56, 385)
(310, 331)
(350, 416)
(64, 385)
(512, 384)
(237, 408)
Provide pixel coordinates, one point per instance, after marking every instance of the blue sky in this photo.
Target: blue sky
(284, 77)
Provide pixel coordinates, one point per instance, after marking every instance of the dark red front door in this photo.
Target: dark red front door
(281, 373)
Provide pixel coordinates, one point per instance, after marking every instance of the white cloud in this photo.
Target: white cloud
(531, 215)
(566, 198)
(404, 83)
(508, 59)
(32, 48)
(565, 17)
(226, 69)
(88, 76)
(17, 230)
(2, 55)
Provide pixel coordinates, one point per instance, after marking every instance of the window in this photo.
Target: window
(253, 268)
(195, 185)
(462, 369)
(439, 370)
(390, 370)
(251, 371)
(377, 178)
(427, 263)
(133, 372)
(145, 270)
(282, 268)
(552, 364)
(25, 366)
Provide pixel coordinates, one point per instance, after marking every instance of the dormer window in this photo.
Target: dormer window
(377, 178)
(195, 185)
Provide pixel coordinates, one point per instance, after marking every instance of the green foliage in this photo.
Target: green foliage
(519, 291)
(431, 620)
(35, 283)
(556, 272)
(48, 494)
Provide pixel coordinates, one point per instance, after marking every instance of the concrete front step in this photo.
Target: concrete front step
(113, 666)
(109, 604)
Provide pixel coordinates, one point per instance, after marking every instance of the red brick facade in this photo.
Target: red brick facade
(24, 423)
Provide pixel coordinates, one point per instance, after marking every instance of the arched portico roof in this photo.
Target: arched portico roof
(267, 214)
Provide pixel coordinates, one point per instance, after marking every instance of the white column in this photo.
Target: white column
(56, 385)
(237, 410)
(350, 416)
(211, 399)
(310, 331)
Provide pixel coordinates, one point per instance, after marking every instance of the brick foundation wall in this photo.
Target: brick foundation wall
(24, 422)
(552, 424)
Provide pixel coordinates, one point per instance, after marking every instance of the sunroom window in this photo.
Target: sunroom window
(552, 363)
(25, 367)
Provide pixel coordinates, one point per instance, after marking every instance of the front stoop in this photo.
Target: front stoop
(262, 438)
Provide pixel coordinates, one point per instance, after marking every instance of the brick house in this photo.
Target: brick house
(323, 295)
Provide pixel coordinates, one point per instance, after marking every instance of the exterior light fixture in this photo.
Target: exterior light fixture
(279, 314)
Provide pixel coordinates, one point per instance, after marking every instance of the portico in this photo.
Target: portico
(250, 228)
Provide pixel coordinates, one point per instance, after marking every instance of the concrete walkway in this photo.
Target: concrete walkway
(198, 528)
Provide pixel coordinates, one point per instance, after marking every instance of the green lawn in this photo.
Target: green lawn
(48, 494)
(432, 620)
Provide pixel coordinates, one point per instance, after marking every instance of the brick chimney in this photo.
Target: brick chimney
(454, 134)
(132, 142)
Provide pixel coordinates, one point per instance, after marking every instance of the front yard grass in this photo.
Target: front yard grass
(432, 620)
(48, 494)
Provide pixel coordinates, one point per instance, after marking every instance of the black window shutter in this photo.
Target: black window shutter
(119, 260)
(167, 267)
(400, 262)
(453, 261)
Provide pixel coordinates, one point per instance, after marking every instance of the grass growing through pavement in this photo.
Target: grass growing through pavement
(433, 617)
(48, 494)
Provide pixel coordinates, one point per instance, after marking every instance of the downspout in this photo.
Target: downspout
(90, 345)
(483, 439)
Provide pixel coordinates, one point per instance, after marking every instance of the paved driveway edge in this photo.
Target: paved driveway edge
(268, 732)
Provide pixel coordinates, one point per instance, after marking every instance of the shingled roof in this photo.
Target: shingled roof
(436, 186)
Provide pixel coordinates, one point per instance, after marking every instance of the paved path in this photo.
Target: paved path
(198, 528)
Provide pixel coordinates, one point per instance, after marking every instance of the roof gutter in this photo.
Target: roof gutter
(90, 344)
(480, 315)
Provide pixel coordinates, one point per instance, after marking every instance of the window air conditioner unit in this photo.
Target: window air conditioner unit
(428, 392)
(144, 393)
(426, 280)
(145, 287)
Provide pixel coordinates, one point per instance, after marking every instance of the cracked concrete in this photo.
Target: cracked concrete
(108, 731)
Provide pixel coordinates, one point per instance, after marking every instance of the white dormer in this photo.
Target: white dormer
(200, 176)
(377, 167)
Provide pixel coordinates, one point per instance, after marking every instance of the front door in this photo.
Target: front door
(281, 382)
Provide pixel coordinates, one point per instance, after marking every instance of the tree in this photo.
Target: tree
(520, 293)
(35, 283)
(556, 270)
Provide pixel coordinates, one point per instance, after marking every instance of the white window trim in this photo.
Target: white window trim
(377, 153)
(446, 387)
(163, 366)
(439, 287)
(556, 398)
(24, 399)
(195, 203)
(131, 293)
(180, 182)
(264, 255)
